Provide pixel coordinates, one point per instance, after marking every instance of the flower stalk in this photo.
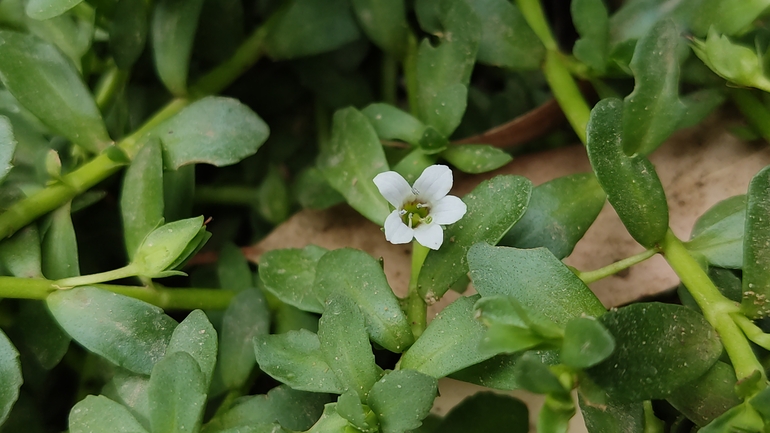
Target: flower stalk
(416, 308)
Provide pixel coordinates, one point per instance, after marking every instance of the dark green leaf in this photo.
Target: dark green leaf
(443, 72)
(128, 332)
(718, 233)
(384, 21)
(708, 396)
(128, 32)
(345, 346)
(493, 207)
(313, 191)
(233, 269)
(220, 30)
(60, 247)
(659, 347)
(534, 376)
(450, 343)
(497, 372)
(196, 337)
(20, 254)
(100, 414)
(559, 213)
(476, 158)
(611, 417)
(274, 197)
(402, 399)
(48, 85)
(177, 393)
(506, 38)
(307, 27)
(10, 375)
(351, 160)
(630, 182)
(586, 343)
(432, 141)
(699, 104)
(295, 358)
(245, 318)
(653, 110)
(178, 192)
(45, 9)
(592, 22)
(289, 275)
(359, 277)
(7, 146)
(756, 251)
(741, 418)
(486, 412)
(141, 199)
(214, 130)
(390, 123)
(535, 278)
(173, 31)
(42, 335)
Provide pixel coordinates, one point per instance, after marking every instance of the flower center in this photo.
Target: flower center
(414, 213)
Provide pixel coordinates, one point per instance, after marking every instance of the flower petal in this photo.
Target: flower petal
(448, 210)
(429, 235)
(394, 188)
(434, 183)
(396, 232)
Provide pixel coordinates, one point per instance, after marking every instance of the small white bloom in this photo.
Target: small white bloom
(421, 209)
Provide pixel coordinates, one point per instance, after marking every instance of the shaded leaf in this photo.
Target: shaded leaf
(312, 190)
(384, 21)
(196, 336)
(141, 198)
(402, 399)
(506, 38)
(7, 146)
(173, 31)
(718, 233)
(289, 275)
(592, 22)
(129, 31)
(246, 317)
(233, 269)
(20, 254)
(707, 397)
(611, 417)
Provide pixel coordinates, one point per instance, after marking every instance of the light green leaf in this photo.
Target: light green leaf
(71, 32)
(10, 375)
(731, 17)
(7, 146)
(178, 192)
(391, 123)
(48, 85)
(734, 62)
(718, 233)
(586, 343)
(493, 207)
(413, 164)
(756, 251)
(359, 277)
(506, 38)
(351, 160)
(20, 254)
(197, 337)
(100, 414)
(289, 275)
(168, 246)
(173, 31)
(295, 358)
(129, 31)
(177, 394)
(214, 130)
(45, 9)
(476, 158)
(592, 22)
(141, 198)
(128, 332)
(384, 21)
(535, 376)
(402, 399)
(350, 407)
(245, 318)
(330, 422)
(130, 390)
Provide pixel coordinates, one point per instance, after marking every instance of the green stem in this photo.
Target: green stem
(416, 308)
(227, 195)
(168, 299)
(751, 330)
(84, 280)
(755, 112)
(111, 83)
(410, 73)
(533, 14)
(651, 423)
(567, 93)
(389, 79)
(598, 274)
(716, 308)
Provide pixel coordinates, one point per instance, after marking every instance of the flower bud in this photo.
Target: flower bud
(169, 246)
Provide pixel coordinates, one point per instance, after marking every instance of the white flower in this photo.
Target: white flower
(421, 209)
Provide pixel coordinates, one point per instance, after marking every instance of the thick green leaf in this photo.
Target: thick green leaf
(718, 233)
(196, 336)
(45, 9)
(384, 21)
(450, 343)
(10, 376)
(631, 183)
(173, 31)
(535, 278)
(349, 406)
(295, 358)
(390, 123)
(345, 346)
(7, 146)
(177, 393)
(611, 417)
(100, 414)
(653, 110)
(233, 269)
(48, 85)
(214, 130)
(512, 329)
(402, 399)
(287, 318)
(487, 412)
(555, 414)
(586, 343)
(20, 254)
(756, 250)
(735, 62)
(350, 161)
(273, 197)
(72, 32)
(42, 335)
(178, 192)
(443, 72)
(493, 207)
(141, 199)
(497, 372)
(559, 213)
(731, 17)
(359, 277)
(592, 22)
(535, 376)
(312, 190)
(129, 31)
(707, 397)
(130, 390)
(128, 332)
(476, 158)
(659, 347)
(307, 27)
(506, 38)
(413, 164)
(59, 248)
(330, 422)
(289, 275)
(246, 317)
